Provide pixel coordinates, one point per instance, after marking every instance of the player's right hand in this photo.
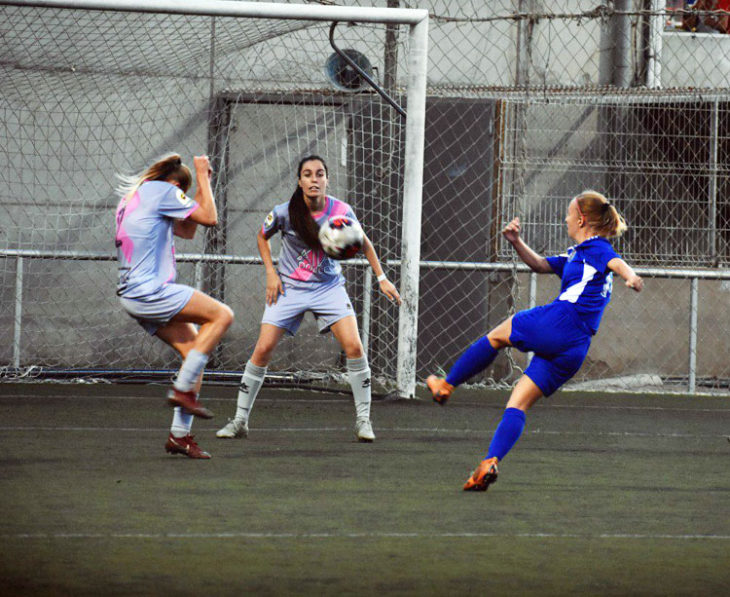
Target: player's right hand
(274, 288)
(512, 230)
(202, 164)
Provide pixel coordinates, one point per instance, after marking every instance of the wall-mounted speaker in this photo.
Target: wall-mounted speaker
(343, 76)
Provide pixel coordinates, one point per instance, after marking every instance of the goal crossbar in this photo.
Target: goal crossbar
(228, 8)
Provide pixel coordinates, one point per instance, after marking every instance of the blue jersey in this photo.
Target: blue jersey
(299, 265)
(586, 281)
(144, 238)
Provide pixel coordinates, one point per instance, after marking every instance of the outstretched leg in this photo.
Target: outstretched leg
(476, 358)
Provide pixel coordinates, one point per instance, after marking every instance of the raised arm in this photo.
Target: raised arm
(623, 269)
(537, 263)
(386, 286)
(206, 214)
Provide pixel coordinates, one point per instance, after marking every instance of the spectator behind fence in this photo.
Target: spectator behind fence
(707, 23)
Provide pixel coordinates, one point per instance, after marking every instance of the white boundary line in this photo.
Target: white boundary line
(371, 535)
(543, 405)
(61, 428)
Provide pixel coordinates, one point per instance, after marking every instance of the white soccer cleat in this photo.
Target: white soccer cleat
(364, 430)
(235, 428)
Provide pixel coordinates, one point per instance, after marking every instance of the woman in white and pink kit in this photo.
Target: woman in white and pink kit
(154, 208)
(308, 280)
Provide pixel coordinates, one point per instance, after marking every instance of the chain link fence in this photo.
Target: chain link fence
(528, 104)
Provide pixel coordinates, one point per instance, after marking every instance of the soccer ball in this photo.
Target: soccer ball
(341, 237)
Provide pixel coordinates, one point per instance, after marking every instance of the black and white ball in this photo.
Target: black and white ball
(341, 237)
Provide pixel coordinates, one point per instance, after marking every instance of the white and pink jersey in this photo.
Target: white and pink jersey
(300, 266)
(144, 238)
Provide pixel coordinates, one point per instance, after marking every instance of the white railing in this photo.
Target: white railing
(692, 276)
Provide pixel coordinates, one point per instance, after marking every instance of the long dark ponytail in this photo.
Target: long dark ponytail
(299, 215)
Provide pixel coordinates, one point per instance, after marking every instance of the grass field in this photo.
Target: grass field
(603, 495)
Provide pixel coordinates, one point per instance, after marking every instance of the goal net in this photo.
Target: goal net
(87, 94)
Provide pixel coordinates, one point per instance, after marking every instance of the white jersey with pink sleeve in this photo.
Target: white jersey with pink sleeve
(299, 266)
(144, 238)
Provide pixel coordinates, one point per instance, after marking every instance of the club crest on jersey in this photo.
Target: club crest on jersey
(183, 198)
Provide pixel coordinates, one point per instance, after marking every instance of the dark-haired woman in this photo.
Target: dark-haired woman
(559, 333)
(307, 280)
(154, 208)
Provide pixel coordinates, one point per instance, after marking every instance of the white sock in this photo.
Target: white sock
(251, 381)
(182, 422)
(190, 371)
(358, 372)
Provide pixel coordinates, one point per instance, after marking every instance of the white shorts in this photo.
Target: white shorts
(328, 304)
(155, 310)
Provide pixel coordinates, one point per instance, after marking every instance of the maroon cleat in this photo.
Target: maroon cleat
(188, 401)
(186, 446)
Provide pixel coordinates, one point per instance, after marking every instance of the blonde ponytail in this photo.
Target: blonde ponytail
(168, 168)
(600, 214)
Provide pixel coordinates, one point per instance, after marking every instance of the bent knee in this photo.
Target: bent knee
(353, 350)
(225, 315)
(498, 338)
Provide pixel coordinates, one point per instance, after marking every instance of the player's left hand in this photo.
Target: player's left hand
(389, 290)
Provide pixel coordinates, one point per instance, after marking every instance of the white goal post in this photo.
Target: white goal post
(412, 159)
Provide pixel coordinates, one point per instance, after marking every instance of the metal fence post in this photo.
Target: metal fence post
(693, 335)
(533, 303)
(18, 311)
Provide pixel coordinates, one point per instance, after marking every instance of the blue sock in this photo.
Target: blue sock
(475, 358)
(507, 433)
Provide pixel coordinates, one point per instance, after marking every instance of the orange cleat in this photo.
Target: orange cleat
(188, 401)
(186, 446)
(440, 388)
(484, 475)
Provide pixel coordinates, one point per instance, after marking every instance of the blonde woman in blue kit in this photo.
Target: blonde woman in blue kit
(559, 333)
(307, 280)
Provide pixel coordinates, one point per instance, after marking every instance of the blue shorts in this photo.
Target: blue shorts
(559, 339)
(155, 310)
(328, 304)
